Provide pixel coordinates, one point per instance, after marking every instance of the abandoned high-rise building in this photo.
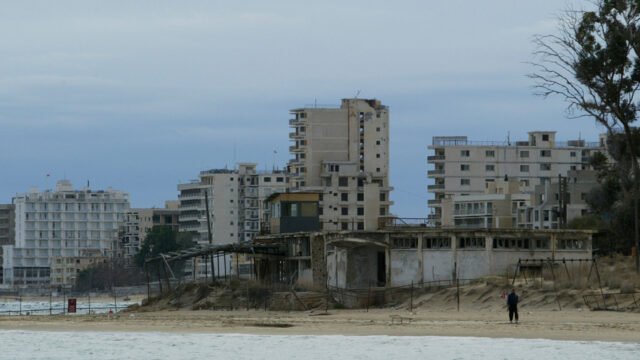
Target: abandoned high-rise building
(463, 167)
(343, 154)
(235, 203)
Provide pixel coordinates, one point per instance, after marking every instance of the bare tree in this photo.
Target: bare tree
(593, 63)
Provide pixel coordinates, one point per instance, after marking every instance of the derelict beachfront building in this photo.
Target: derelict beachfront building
(463, 167)
(64, 223)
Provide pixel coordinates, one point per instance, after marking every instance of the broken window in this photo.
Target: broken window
(404, 243)
(471, 243)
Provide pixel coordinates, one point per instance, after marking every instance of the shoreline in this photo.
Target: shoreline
(550, 325)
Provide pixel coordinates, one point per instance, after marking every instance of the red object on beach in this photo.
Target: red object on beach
(504, 295)
(71, 307)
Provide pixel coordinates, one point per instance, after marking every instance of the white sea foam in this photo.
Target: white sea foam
(16, 344)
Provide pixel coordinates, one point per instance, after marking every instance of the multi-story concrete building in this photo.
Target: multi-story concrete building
(496, 208)
(465, 167)
(64, 270)
(64, 223)
(236, 203)
(7, 225)
(547, 209)
(138, 222)
(343, 154)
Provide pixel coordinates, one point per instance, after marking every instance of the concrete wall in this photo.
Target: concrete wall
(362, 267)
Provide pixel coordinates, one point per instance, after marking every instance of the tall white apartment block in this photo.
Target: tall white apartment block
(236, 200)
(343, 154)
(463, 167)
(64, 223)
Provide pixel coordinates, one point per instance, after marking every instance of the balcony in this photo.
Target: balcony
(294, 122)
(435, 202)
(435, 172)
(435, 158)
(294, 135)
(436, 187)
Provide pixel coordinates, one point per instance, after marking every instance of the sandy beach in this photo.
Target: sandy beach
(545, 324)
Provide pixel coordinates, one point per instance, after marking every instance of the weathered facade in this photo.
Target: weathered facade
(398, 257)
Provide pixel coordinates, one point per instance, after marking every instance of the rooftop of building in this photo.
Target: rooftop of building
(463, 141)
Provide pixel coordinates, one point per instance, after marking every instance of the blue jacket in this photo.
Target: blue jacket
(512, 300)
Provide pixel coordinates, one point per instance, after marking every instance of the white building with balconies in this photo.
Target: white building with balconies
(64, 223)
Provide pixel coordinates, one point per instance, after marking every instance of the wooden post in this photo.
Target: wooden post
(50, 302)
(457, 286)
(224, 259)
(604, 301)
(553, 277)
(146, 270)
(411, 302)
(237, 265)
(368, 295)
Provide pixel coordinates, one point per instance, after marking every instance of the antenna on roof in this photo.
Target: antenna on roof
(508, 137)
(357, 93)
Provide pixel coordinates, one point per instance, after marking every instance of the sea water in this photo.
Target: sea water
(58, 307)
(17, 344)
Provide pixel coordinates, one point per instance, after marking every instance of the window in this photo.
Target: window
(320, 210)
(345, 210)
(383, 211)
(360, 197)
(344, 197)
(490, 153)
(436, 243)
(545, 137)
(279, 179)
(404, 243)
(345, 226)
(545, 153)
(572, 154)
(490, 167)
(525, 182)
(464, 153)
(378, 129)
(510, 243)
(383, 196)
(465, 182)
(464, 167)
(524, 168)
(471, 243)
(573, 167)
(524, 154)
(377, 142)
(377, 156)
(545, 166)
(360, 226)
(266, 179)
(377, 169)
(360, 211)
(343, 181)
(567, 244)
(583, 196)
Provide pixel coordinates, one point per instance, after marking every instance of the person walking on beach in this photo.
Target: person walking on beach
(512, 304)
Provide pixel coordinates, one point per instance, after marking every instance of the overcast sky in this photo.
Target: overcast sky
(142, 95)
